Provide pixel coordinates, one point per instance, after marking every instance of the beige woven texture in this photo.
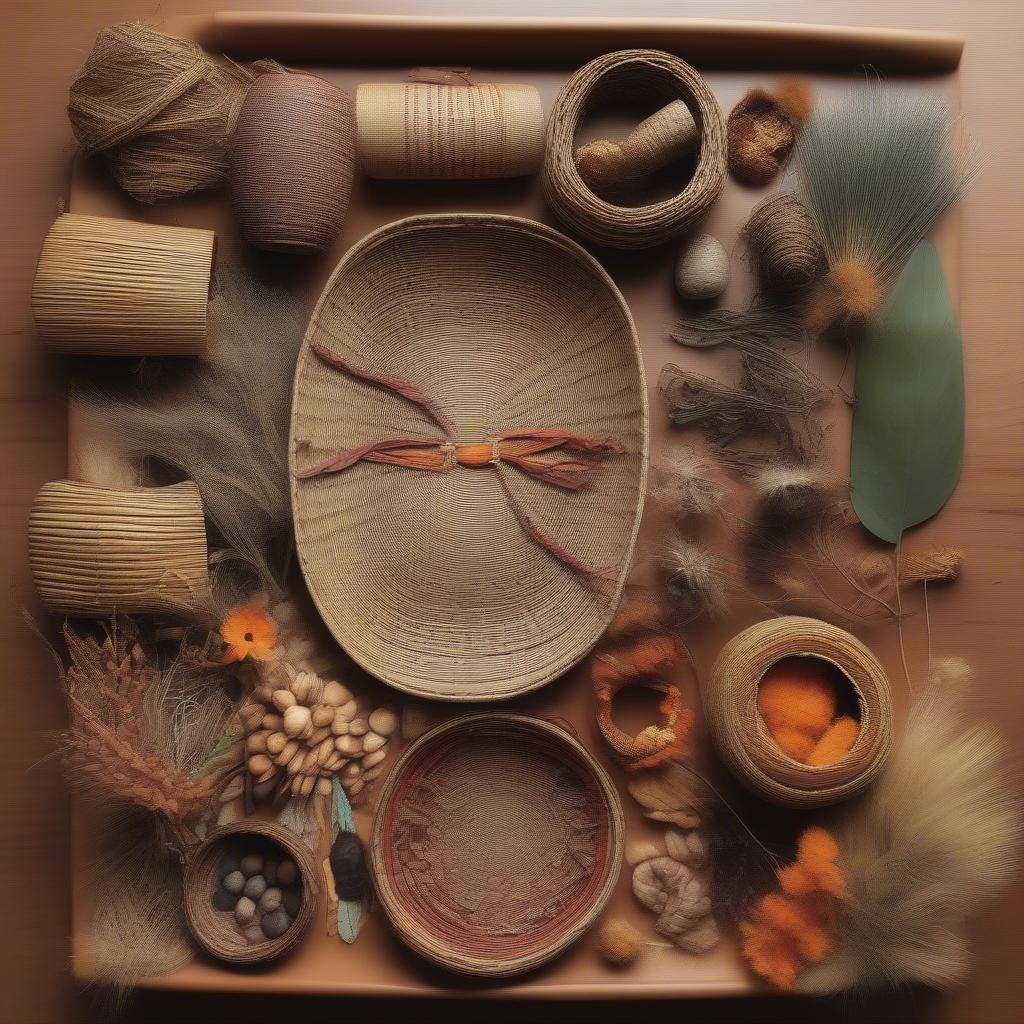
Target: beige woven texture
(653, 77)
(416, 130)
(743, 740)
(430, 580)
(98, 551)
(215, 930)
(121, 288)
(497, 842)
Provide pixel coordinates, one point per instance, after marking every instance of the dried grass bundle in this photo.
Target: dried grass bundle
(686, 488)
(936, 836)
(224, 425)
(159, 110)
(877, 169)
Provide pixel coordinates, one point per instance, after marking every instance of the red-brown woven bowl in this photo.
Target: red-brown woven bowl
(497, 842)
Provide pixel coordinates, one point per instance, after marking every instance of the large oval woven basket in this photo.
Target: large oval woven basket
(447, 554)
(497, 842)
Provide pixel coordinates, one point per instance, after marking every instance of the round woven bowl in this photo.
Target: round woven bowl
(433, 581)
(215, 930)
(657, 78)
(746, 745)
(497, 843)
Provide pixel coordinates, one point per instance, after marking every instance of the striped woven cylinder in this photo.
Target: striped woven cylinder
(98, 551)
(418, 130)
(291, 168)
(120, 288)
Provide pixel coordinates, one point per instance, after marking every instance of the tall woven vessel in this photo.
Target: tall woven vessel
(470, 578)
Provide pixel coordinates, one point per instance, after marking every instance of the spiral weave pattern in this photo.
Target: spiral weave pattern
(784, 243)
(292, 162)
(652, 76)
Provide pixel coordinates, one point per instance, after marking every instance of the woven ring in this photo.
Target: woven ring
(742, 738)
(651, 75)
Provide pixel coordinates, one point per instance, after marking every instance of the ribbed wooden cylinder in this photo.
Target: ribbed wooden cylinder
(98, 551)
(419, 130)
(744, 741)
(215, 930)
(121, 288)
(292, 160)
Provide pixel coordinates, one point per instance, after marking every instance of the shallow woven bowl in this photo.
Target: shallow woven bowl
(430, 580)
(744, 741)
(214, 929)
(497, 843)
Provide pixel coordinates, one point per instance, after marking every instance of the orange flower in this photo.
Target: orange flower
(248, 632)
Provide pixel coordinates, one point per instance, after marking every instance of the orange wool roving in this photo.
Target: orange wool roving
(798, 700)
(795, 926)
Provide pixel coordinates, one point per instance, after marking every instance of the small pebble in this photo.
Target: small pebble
(252, 864)
(234, 883)
(253, 934)
(245, 911)
(224, 900)
(383, 721)
(269, 901)
(287, 872)
(276, 924)
(255, 887)
(703, 268)
(291, 900)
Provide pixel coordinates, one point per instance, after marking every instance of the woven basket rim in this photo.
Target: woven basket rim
(450, 957)
(529, 227)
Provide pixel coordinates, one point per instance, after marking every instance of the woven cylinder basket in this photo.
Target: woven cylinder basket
(459, 583)
(742, 738)
(119, 288)
(100, 551)
(497, 842)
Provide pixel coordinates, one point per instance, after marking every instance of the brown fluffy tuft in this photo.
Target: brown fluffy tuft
(796, 97)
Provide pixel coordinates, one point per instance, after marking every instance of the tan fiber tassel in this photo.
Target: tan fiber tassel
(120, 288)
(98, 551)
(666, 135)
(418, 130)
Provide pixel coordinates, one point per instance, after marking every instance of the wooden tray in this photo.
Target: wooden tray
(384, 47)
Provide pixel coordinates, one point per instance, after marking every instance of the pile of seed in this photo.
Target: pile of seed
(262, 891)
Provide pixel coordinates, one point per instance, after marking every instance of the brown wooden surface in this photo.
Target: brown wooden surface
(45, 42)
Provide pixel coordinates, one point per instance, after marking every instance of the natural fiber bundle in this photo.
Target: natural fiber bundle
(936, 836)
(877, 169)
(291, 163)
(117, 287)
(652, 76)
(497, 843)
(784, 244)
(942, 564)
(98, 551)
(695, 581)
(744, 741)
(159, 110)
(216, 930)
(419, 130)
(686, 488)
(762, 130)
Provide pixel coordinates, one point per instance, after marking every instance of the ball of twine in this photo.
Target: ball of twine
(650, 75)
(159, 110)
(743, 740)
(292, 162)
(784, 243)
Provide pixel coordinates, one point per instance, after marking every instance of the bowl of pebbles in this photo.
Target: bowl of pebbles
(250, 892)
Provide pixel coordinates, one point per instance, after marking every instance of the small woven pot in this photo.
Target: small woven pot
(416, 130)
(745, 743)
(215, 930)
(497, 843)
(98, 551)
(292, 160)
(120, 288)
(655, 77)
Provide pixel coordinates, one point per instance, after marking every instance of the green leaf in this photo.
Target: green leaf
(908, 423)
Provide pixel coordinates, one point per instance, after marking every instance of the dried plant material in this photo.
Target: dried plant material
(784, 244)
(877, 168)
(686, 488)
(668, 793)
(639, 612)
(795, 927)
(908, 421)
(795, 96)
(936, 836)
(941, 564)
(619, 943)
(224, 425)
(762, 129)
(696, 582)
(784, 492)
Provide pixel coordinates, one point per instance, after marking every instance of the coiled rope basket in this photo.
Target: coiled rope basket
(655, 77)
(742, 738)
